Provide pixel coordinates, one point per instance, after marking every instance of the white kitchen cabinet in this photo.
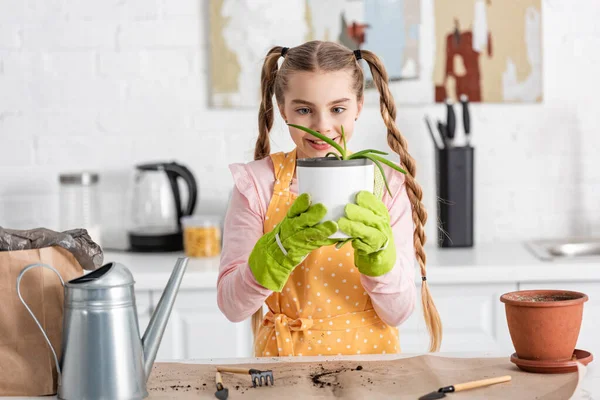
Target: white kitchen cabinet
(466, 285)
(472, 315)
(589, 335)
(197, 329)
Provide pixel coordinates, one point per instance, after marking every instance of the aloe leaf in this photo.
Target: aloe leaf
(362, 152)
(376, 162)
(322, 137)
(333, 154)
(344, 141)
(390, 164)
(341, 244)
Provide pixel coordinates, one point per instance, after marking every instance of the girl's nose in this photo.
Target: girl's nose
(321, 124)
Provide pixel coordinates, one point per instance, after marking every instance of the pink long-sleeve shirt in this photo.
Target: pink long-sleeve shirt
(239, 295)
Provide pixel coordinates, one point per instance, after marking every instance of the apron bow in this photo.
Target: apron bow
(284, 326)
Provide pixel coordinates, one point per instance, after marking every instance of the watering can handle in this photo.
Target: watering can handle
(27, 268)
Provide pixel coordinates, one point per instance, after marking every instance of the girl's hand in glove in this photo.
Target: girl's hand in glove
(368, 223)
(278, 252)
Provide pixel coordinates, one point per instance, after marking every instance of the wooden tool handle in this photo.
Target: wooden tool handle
(483, 382)
(234, 370)
(218, 380)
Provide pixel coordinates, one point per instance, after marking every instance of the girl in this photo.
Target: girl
(322, 300)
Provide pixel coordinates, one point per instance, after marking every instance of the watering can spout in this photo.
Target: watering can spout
(158, 322)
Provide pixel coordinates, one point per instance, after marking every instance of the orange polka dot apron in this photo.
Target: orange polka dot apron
(323, 308)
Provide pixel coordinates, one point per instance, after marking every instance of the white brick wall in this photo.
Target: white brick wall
(105, 85)
(10, 36)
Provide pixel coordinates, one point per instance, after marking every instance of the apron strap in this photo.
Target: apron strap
(284, 165)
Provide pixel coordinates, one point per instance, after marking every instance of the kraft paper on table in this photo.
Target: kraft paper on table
(27, 367)
(405, 378)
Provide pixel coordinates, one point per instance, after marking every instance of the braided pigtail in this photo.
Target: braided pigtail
(266, 116)
(399, 145)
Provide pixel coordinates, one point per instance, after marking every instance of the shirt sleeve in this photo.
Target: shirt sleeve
(239, 295)
(394, 294)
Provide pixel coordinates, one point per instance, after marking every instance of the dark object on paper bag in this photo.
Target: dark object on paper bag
(454, 185)
(77, 241)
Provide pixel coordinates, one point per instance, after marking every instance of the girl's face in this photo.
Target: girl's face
(321, 101)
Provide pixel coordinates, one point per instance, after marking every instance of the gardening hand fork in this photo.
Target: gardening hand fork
(259, 378)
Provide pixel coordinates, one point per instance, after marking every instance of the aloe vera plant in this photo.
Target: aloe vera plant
(371, 154)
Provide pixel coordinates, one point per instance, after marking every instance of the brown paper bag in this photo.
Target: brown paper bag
(27, 367)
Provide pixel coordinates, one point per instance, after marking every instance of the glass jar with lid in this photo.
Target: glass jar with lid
(201, 235)
(79, 203)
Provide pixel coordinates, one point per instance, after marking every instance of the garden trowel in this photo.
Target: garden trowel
(222, 392)
(464, 386)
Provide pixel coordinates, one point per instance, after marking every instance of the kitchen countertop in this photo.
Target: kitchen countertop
(487, 262)
(490, 262)
(590, 385)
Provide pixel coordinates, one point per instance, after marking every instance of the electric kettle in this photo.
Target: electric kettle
(103, 356)
(157, 206)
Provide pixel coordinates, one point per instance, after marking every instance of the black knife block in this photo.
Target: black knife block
(454, 185)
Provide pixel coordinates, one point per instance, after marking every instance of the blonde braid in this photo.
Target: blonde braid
(398, 143)
(266, 115)
(262, 148)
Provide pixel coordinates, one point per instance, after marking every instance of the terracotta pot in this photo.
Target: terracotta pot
(544, 324)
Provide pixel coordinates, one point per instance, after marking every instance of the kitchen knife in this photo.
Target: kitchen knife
(450, 120)
(464, 100)
(442, 130)
(433, 136)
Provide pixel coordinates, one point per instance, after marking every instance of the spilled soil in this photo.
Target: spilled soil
(329, 378)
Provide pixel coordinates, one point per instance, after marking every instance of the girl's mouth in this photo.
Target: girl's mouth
(320, 145)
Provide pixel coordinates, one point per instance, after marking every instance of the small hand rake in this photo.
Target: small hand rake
(259, 378)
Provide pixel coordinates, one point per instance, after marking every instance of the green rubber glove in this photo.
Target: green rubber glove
(368, 223)
(298, 234)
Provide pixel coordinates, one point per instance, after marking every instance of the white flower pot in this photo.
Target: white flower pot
(334, 183)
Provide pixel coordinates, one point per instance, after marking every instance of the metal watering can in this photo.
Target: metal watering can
(103, 356)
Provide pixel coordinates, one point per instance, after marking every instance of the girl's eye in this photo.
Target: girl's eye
(303, 111)
(338, 110)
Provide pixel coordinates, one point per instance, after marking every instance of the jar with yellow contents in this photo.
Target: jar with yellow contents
(201, 235)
